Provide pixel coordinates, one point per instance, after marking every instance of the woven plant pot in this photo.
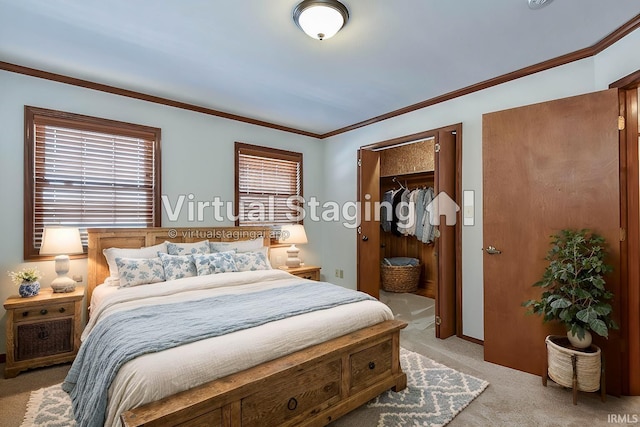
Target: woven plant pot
(560, 368)
(400, 278)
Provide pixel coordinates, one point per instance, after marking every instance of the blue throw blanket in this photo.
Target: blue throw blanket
(126, 335)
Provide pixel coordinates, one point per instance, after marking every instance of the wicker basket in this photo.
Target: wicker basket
(560, 368)
(404, 278)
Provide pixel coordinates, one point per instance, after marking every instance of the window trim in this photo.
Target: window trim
(260, 151)
(33, 114)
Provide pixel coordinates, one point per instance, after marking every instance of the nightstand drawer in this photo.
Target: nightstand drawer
(43, 312)
(41, 339)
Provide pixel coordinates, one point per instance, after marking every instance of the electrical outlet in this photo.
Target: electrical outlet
(337, 273)
(341, 274)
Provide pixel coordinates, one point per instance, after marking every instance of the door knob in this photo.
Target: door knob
(493, 251)
(365, 238)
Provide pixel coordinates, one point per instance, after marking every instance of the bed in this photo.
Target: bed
(289, 371)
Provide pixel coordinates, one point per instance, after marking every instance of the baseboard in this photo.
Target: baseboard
(471, 339)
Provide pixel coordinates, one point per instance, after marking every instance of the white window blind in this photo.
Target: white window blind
(268, 182)
(84, 177)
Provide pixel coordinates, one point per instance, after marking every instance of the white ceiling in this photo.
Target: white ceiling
(247, 57)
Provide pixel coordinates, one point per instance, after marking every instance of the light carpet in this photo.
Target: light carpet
(435, 394)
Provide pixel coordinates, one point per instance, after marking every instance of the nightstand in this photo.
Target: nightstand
(310, 272)
(42, 330)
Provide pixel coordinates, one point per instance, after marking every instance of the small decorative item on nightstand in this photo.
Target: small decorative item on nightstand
(27, 279)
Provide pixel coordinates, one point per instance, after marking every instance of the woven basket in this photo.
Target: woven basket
(396, 278)
(560, 368)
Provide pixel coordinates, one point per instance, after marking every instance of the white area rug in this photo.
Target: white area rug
(435, 394)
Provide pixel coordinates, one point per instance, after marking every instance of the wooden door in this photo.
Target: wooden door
(546, 167)
(368, 235)
(445, 182)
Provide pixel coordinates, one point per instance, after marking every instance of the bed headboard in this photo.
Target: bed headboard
(103, 238)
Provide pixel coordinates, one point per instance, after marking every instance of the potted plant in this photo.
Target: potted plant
(573, 286)
(27, 279)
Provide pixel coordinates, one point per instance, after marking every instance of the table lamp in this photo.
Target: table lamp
(61, 241)
(293, 233)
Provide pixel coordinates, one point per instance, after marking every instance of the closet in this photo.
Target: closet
(410, 166)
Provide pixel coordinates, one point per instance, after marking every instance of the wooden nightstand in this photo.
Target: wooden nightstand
(42, 330)
(310, 272)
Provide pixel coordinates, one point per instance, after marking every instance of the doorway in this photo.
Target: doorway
(442, 275)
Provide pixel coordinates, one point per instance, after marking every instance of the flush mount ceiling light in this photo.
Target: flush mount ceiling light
(537, 4)
(320, 19)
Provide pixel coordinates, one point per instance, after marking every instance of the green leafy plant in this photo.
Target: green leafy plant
(573, 284)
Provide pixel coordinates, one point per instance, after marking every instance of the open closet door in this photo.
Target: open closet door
(445, 182)
(546, 167)
(368, 245)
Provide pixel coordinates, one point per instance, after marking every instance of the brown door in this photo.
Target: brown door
(445, 182)
(369, 231)
(546, 167)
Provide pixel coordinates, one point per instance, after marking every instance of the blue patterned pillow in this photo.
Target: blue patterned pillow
(218, 262)
(188, 248)
(252, 261)
(177, 266)
(134, 271)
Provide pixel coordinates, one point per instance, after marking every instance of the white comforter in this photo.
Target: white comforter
(154, 376)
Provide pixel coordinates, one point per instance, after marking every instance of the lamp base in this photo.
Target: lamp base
(292, 257)
(63, 284)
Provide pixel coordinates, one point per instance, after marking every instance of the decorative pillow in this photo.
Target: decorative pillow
(177, 266)
(252, 261)
(188, 248)
(237, 245)
(143, 253)
(217, 262)
(135, 271)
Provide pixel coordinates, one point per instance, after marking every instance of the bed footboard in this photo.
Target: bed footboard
(311, 387)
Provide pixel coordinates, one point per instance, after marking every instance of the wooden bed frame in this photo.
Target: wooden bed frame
(310, 387)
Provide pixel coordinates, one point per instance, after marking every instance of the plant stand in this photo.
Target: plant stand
(571, 367)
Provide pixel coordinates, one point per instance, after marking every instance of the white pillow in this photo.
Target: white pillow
(135, 271)
(142, 253)
(188, 248)
(238, 245)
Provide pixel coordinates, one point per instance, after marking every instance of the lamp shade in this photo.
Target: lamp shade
(61, 241)
(320, 19)
(293, 234)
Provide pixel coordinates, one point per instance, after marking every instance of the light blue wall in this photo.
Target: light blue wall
(576, 78)
(197, 158)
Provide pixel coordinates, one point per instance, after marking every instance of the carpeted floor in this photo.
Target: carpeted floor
(434, 395)
(513, 399)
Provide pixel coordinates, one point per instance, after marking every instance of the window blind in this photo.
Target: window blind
(267, 182)
(88, 176)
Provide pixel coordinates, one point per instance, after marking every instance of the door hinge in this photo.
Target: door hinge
(623, 234)
(359, 162)
(437, 147)
(621, 123)
(438, 320)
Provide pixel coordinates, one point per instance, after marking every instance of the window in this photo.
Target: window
(267, 183)
(87, 172)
